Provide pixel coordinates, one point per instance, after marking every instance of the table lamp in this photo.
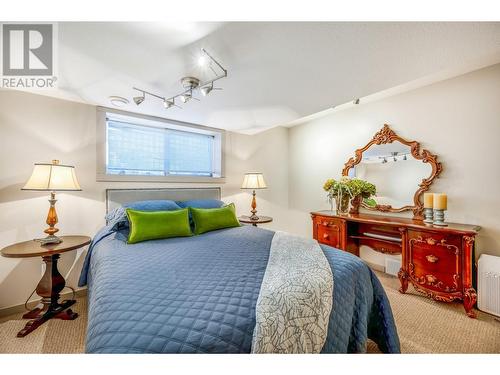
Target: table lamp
(52, 177)
(253, 181)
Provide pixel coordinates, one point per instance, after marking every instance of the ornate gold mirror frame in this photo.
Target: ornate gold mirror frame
(387, 135)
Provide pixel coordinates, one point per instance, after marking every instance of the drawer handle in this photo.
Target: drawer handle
(326, 236)
(327, 223)
(431, 279)
(431, 241)
(432, 258)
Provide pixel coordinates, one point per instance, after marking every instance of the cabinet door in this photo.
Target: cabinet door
(328, 231)
(434, 261)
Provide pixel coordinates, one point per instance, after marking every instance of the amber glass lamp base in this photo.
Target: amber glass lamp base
(254, 208)
(51, 221)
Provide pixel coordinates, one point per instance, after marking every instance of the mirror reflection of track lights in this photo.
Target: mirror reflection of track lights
(190, 84)
(393, 157)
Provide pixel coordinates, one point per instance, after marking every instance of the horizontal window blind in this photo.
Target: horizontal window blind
(189, 153)
(143, 150)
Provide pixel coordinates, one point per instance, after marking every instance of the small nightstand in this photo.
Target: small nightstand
(52, 281)
(260, 220)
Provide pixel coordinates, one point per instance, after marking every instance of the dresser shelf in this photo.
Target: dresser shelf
(365, 237)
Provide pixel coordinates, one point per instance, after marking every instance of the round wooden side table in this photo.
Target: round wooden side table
(51, 283)
(260, 220)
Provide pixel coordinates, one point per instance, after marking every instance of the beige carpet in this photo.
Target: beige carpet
(424, 326)
(427, 326)
(54, 336)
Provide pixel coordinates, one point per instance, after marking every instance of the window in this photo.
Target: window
(140, 147)
(134, 150)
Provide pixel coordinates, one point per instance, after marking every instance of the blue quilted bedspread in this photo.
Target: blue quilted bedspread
(198, 295)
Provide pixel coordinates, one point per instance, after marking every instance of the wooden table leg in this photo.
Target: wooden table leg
(49, 287)
(403, 279)
(470, 299)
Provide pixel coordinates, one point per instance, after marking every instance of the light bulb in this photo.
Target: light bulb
(202, 61)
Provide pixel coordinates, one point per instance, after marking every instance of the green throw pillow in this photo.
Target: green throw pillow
(153, 225)
(208, 219)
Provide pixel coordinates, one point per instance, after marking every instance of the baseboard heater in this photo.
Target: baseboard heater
(392, 266)
(488, 284)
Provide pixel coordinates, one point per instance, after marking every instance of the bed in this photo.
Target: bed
(198, 294)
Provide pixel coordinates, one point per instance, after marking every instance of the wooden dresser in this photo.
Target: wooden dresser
(438, 261)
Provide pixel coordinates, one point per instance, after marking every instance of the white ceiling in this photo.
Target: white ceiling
(277, 72)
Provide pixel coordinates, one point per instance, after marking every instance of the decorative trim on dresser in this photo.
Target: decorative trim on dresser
(437, 261)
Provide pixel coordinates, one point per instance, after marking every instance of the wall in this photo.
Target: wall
(266, 152)
(458, 119)
(35, 128)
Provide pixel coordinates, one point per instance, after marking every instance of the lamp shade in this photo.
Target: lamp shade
(52, 177)
(253, 181)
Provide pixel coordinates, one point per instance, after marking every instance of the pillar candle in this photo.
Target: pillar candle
(440, 202)
(428, 200)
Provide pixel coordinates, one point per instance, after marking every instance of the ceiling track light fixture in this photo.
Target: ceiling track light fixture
(169, 103)
(205, 90)
(189, 84)
(139, 99)
(186, 97)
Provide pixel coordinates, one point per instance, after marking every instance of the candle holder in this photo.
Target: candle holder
(439, 218)
(428, 216)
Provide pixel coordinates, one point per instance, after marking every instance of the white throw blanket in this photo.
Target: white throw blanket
(295, 300)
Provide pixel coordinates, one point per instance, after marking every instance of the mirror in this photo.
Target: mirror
(398, 168)
(394, 171)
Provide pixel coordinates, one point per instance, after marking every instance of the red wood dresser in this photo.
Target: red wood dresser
(438, 261)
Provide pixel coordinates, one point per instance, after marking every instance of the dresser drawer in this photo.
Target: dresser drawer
(329, 236)
(328, 231)
(435, 260)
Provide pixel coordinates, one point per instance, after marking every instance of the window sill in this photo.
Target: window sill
(179, 179)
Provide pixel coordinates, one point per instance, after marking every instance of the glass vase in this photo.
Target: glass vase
(342, 202)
